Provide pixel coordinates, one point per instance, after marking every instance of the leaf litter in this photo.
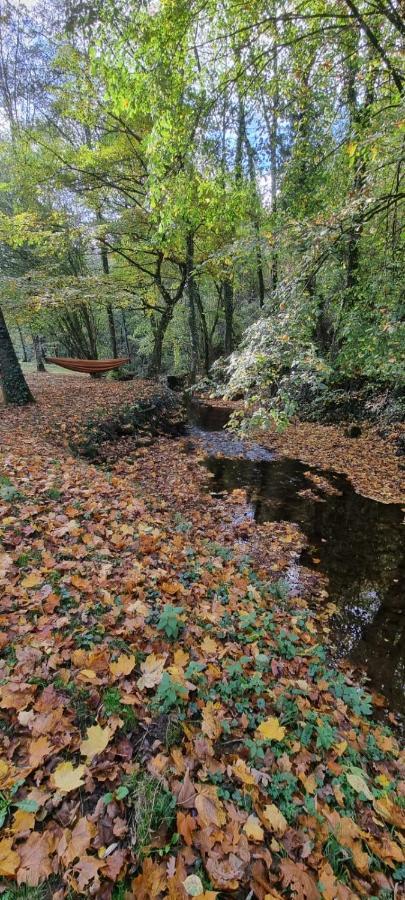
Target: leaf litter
(170, 723)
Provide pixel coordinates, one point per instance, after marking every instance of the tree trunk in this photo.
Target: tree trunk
(192, 317)
(110, 312)
(204, 326)
(23, 347)
(39, 356)
(228, 309)
(273, 163)
(160, 331)
(15, 387)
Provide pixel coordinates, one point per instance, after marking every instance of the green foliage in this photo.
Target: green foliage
(169, 695)
(170, 621)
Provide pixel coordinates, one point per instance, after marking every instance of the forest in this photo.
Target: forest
(202, 351)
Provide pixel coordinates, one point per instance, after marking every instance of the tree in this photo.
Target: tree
(14, 385)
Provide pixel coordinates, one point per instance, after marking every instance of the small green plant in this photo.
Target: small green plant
(113, 706)
(169, 694)
(170, 621)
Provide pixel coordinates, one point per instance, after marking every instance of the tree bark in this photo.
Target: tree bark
(39, 356)
(23, 347)
(110, 312)
(228, 309)
(15, 387)
(192, 317)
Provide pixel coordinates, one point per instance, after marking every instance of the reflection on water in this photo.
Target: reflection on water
(358, 545)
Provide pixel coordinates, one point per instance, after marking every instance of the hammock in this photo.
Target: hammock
(89, 366)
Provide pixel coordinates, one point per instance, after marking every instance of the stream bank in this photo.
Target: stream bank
(354, 543)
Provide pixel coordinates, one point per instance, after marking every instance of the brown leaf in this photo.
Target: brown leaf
(35, 863)
(185, 792)
(300, 881)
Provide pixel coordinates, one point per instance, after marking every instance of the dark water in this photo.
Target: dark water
(358, 542)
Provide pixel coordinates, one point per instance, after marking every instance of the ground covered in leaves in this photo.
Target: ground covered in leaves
(170, 725)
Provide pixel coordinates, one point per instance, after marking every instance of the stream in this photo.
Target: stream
(357, 544)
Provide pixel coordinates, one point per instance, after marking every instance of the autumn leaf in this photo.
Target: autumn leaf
(209, 646)
(67, 778)
(274, 819)
(9, 859)
(300, 881)
(211, 720)
(253, 829)
(31, 581)
(193, 886)
(358, 783)
(122, 666)
(38, 750)
(152, 671)
(209, 807)
(271, 730)
(95, 742)
(35, 859)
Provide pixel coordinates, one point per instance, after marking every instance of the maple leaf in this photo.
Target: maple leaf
(274, 819)
(301, 883)
(211, 720)
(39, 748)
(95, 742)
(253, 829)
(31, 581)
(226, 872)
(35, 863)
(152, 671)
(390, 811)
(123, 665)
(9, 859)
(271, 730)
(67, 778)
(185, 826)
(209, 806)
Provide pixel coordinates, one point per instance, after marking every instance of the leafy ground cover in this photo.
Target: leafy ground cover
(170, 724)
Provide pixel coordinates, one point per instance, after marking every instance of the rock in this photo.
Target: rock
(353, 431)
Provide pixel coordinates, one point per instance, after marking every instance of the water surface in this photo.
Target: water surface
(357, 544)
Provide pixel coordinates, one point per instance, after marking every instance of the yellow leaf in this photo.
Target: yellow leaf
(209, 646)
(271, 730)
(359, 785)
(123, 665)
(211, 720)
(95, 742)
(242, 771)
(22, 821)
(152, 671)
(31, 581)
(351, 148)
(9, 859)
(181, 658)
(253, 829)
(274, 819)
(67, 778)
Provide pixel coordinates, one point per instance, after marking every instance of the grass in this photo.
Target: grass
(30, 368)
(151, 806)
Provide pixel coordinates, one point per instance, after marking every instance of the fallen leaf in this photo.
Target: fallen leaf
(9, 859)
(122, 666)
(152, 671)
(253, 829)
(95, 742)
(271, 730)
(274, 819)
(67, 778)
